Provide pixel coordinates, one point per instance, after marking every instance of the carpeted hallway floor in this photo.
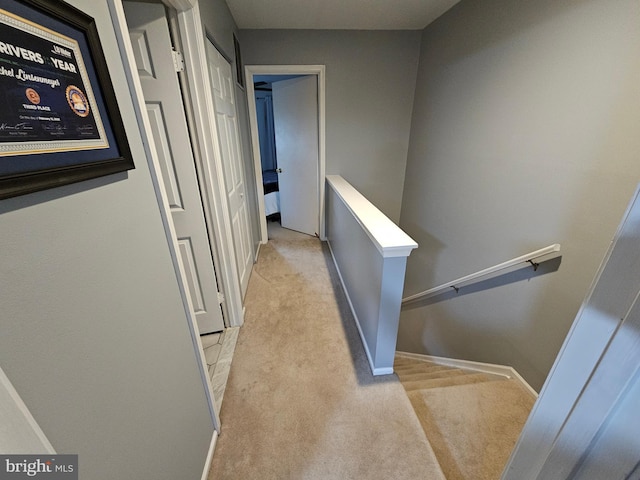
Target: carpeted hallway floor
(301, 402)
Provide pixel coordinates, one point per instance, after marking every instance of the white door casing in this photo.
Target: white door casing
(222, 86)
(191, 34)
(319, 72)
(152, 48)
(295, 111)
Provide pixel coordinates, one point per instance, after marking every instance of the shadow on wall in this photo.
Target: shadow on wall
(524, 273)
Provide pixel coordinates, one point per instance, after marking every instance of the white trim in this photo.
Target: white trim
(137, 98)
(209, 164)
(319, 71)
(207, 463)
(255, 259)
(18, 424)
(543, 254)
(180, 5)
(490, 368)
(388, 238)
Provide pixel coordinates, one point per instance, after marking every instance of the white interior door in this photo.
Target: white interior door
(295, 112)
(229, 138)
(152, 48)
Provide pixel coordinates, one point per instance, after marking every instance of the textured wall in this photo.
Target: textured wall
(524, 134)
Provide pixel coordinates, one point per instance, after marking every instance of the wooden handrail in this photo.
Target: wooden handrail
(456, 284)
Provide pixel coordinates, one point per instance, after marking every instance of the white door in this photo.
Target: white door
(229, 139)
(152, 48)
(295, 113)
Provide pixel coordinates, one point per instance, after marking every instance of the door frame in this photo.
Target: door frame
(185, 23)
(21, 434)
(201, 119)
(208, 163)
(128, 60)
(319, 72)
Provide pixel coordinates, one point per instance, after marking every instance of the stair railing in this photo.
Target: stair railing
(548, 252)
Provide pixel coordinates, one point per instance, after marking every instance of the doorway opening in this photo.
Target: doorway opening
(289, 79)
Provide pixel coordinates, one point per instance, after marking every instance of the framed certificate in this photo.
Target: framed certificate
(59, 118)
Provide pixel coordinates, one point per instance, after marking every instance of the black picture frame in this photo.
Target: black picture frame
(90, 146)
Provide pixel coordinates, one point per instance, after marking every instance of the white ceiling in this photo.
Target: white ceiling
(338, 14)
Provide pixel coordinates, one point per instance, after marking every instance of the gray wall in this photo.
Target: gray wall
(370, 80)
(524, 133)
(94, 333)
(220, 27)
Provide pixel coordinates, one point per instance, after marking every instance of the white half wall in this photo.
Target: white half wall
(370, 253)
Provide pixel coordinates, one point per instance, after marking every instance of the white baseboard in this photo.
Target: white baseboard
(490, 368)
(212, 448)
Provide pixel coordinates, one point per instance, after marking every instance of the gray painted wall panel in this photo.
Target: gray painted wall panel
(524, 133)
(372, 278)
(94, 334)
(360, 265)
(370, 80)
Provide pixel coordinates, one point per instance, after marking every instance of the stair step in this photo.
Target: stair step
(450, 381)
(400, 361)
(414, 376)
(409, 369)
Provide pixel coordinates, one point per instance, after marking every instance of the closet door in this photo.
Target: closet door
(229, 138)
(149, 33)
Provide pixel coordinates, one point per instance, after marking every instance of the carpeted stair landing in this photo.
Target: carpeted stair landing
(301, 403)
(472, 420)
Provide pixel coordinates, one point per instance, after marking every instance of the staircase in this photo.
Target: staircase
(472, 419)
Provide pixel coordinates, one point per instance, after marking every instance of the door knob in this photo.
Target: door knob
(278, 170)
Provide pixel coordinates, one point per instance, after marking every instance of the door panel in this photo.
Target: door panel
(295, 112)
(160, 136)
(228, 135)
(191, 274)
(149, 34)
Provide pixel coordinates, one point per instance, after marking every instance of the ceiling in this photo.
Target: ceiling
(338, 14)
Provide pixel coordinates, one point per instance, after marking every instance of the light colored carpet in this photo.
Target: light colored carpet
(301, 402)
(472, 420)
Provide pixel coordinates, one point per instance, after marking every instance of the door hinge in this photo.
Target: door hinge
(220, 298)
(178, 61)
